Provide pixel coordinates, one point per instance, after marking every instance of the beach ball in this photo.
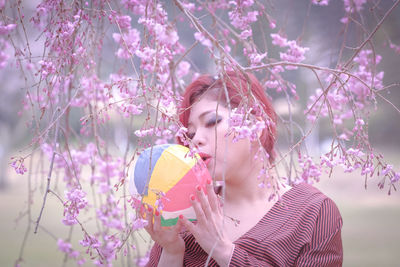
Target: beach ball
(165, 176)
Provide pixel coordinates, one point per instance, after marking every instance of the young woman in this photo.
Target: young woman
(301, 227)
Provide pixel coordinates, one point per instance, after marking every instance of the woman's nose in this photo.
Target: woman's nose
(199, 139)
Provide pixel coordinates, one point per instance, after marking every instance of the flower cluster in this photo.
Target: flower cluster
(294, 52)
(244, 125)
(75, 202)
(4, 30)
(320, 2)
(121, 64)
(241, 19)
(66, 247)
(18, 165)
(129, 42)
(352, 6)
(343, 97)
(310, 171)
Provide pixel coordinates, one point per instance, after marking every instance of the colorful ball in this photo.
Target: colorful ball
(165, 176)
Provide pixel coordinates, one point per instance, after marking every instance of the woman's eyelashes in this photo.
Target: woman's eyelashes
(213, 121)
(209, 123)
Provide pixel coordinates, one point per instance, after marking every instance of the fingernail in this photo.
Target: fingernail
(192, 197)
(208, 181)
(157, 213)
(181, 216)
(198, 188)
(149, 209)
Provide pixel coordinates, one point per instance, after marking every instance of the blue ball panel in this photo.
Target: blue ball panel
(142, 174)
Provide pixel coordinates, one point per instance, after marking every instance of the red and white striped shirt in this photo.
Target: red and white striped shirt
(304, 229)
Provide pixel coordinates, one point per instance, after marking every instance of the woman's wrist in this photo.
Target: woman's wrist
(222, 254)
(177, 248)
(172, 256)
(171, 259)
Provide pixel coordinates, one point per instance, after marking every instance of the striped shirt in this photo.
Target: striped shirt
(304, 229)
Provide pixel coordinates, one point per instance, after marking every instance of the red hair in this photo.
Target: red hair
(240, 87)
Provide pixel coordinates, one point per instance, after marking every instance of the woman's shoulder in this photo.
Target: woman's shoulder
(304, 193)
(305, 201)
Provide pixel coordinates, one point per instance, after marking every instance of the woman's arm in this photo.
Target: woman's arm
(209, 231)
(170, 247)
(325, 248)
(241, 257)
(171, 259)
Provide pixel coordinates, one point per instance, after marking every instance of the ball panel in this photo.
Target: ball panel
(169, 169)
(142, 169)
(181, 192)
(182, 153)
(171, 166)
(171, 218)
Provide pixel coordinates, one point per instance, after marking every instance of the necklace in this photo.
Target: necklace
(235, 221)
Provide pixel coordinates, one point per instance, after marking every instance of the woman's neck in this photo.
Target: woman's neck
(248, 186)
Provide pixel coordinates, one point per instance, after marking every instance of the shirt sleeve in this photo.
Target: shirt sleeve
(241, 257)
(325, 247)
(155, 255)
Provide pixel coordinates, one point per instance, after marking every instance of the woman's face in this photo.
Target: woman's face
(208, 128)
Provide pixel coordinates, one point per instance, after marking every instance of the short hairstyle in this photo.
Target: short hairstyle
(240, 87)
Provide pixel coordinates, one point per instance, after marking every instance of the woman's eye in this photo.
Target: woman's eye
(190, 135)
(213, 121)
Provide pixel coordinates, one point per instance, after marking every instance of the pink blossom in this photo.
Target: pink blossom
(64, 246)
(6, 29)
(124, 22)
(396, 48)
(355, 152)
(183, 69)
(139, 224)
(144, 260)
(246, 34)
(75, 201)
(353, 5)
(320, 2)
(3, 55)
(18, 165)
(244, 126)
(395, 178)
(129, 43)
(386, 170)
(202, 39)
(239, 19)
(256, 58)
(310, 172)
(278, 40)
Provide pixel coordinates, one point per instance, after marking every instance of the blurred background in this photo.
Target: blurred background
(371, 233)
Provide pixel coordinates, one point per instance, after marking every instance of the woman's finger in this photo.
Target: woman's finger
(157, 221)
(188, 225)
(201, 218)
(212, 197)
(149, 218)
(205, 205)
(178, 226)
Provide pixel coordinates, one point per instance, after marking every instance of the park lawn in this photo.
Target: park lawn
(371, 235)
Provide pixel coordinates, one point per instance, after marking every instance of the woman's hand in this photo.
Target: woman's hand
(167, 237)
(209, 231)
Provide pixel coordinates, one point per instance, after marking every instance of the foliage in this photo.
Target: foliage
(123, 62)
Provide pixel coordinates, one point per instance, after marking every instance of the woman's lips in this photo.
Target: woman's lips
(205, 157)
(207, 161)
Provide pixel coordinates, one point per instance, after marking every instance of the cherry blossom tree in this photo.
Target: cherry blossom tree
(102, 80)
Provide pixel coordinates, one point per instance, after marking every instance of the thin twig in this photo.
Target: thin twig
(49, 175)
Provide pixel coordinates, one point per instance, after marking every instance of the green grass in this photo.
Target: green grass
(371, 229)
